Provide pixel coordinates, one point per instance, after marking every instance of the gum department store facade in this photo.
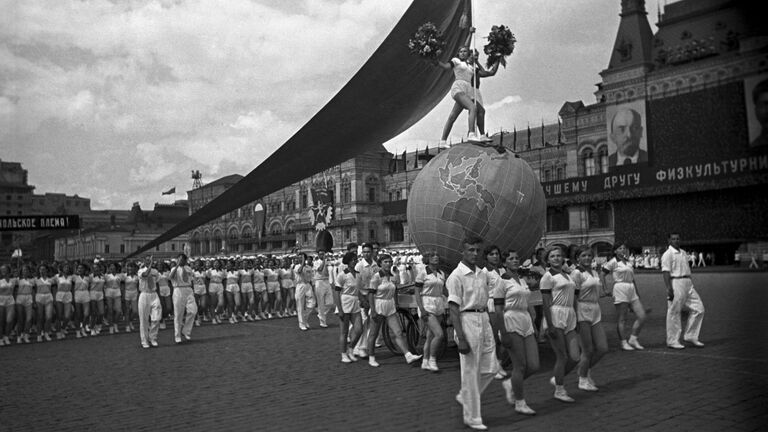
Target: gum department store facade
(692, 71)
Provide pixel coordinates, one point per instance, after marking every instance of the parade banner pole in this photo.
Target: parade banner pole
(475, 79)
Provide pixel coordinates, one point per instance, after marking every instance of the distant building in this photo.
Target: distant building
(113, 241)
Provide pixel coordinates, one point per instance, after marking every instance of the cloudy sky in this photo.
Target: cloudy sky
(119, 100)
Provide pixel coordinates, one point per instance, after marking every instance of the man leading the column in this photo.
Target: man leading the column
(183, 300)
(149, 307)
(680, 293)
(468, 299)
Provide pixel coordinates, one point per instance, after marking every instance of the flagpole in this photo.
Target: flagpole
(474, 71)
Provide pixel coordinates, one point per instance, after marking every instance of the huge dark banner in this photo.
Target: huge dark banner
(34, 223)
(647, 176)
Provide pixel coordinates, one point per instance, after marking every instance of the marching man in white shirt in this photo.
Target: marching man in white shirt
(680, 293)
(150, 310)
(183, 300)
(468, 301)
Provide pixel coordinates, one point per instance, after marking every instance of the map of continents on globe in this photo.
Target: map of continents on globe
(461, 175)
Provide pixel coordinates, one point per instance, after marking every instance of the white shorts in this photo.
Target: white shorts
(350, 304)
(434, 305)
(97, 295)
(461, 86)
(24, 299)
(82, 297)
(64, 297)
(385, 307)
(215, 288)
(112, 292)
(131, 295)
(199, 289)
(588, 312)
(247, 287)
(7, 300)
(624, 292)
(233, 288)
(563, 317)
(260, 287)
(165, 291)
(535, 298)
(518, 321)
(273, 287)
(44, 299)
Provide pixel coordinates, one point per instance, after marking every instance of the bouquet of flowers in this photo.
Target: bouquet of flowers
(428, 42)
(501, 43)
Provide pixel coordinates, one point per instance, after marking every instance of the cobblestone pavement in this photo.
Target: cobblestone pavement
(270, 376)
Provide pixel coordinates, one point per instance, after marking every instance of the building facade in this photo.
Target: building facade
(671, 143)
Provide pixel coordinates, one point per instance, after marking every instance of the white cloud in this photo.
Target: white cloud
(507, 100)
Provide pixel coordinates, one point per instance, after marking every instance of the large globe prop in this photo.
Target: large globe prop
(475, 190)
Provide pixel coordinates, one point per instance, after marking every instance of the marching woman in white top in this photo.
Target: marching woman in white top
(7, 304)
(464, 94)
(305, 298)
(260, 291)
(63, 299)
(430, 296)
(82, 283)
(274, 298)
(589, 286)
(233, 292)
(96, 292)
(510, 298)
(131, 295)
(24, 298)
(216, 277)
(44, 300)
(165, 290)
(347, 300)
(287, 286)
(113, 282)
(246, 286)
(558, 293)
(625, 296)
(381, 296)
(200, 290)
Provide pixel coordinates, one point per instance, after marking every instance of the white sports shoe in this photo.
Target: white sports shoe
(410, 358)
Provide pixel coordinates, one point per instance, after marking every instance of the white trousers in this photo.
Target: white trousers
(685, 296)
(324, 297)
(478, 366)
(302, 294)
(183, 302)
(149, 316)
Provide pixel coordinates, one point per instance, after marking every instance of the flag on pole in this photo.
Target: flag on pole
(514, 138)
(405, 162)
(529, 136)
(559, 132)
(170, 191)
(416, 159)
(543, 144)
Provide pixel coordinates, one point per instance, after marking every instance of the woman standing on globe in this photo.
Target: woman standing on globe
(558, 292)
(465, 90)
(625, 295)
(430, 299)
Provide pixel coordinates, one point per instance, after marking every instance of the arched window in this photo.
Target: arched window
(275, 229)
(372, 231)
(560, 173)
(372, 189)
(206, 249)
(289, 227)
(216, 244)
(557, 219)
(602, 160)
(346, 191)
(587, 163)
(600, 215)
